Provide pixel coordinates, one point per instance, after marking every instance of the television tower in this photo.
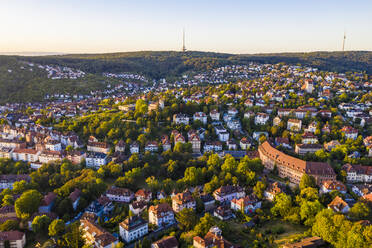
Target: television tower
(343, 42)
(183, 41)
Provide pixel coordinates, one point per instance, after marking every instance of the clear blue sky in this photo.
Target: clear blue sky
(235, 26)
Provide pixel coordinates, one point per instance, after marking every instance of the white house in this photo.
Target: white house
(161, 214)
(47, 156)
(133, 228)
(181, 119)
(261, 119)
(120, 194)
(53, 145)
(15, 239)
(96, 159)
(350, 132)
(339, 205)
(228, 192)
(200, 116)
(215, 115)
(329, 186)
(26, 155)
(183, 200)
(151, 146)
(134, 148)
(294, 125)
(247, 204)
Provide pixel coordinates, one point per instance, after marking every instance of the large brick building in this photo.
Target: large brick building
(293, 168)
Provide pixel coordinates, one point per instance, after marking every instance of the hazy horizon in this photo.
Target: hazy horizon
(237, 26)
(30, 53)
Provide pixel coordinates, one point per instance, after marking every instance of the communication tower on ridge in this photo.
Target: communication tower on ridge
(183, 41)
(343, 42)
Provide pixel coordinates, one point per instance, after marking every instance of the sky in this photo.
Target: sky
(231, 26)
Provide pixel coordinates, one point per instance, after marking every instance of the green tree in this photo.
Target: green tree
(187, 219)
(9, 225)
(259, 189)
(40, 224)
(56, 228)
(8, 200)
(282, 205)
(307, 181)
(359, 211)
(309, 210)
(27, 204)
(205, 223)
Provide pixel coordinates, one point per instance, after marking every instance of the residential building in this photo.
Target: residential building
(183, 200)
(96, 236)
(151, 146)
(120, 146)
(195, 143)
(15, 239)
(208, 201)
(166, 143)
(7, 181)
(272, 190)
(332, 144)
(47, 203)
(137, 207)
(76, 157)
(228, 192)
(47, 156)
(26, 155)
(309, 138)
(212, 239)
(294, 125)
(133, 228)
(120, 194)
(339, 205)
(75, 198)
(96, 160)
(302, 149)
(134, 147)
(261, 119)
(215, 115)
(358, 173)
(181, 119)
(166, 242)
(161, 214)
(53, 145)
(276, 121)
(284, 142)
(329, 186)
(294, 168)
(200, 116)
(223, 212)
(244, 143)
(98, 147)
(350, 132)
(6, 152)
(143, 195)
(247, 204)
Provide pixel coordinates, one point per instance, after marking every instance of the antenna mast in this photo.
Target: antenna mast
(183, 41)
(343, 42)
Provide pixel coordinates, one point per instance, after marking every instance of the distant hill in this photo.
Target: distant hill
(26, 85)
(162, 64)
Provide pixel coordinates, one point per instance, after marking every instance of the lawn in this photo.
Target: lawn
(285, 231)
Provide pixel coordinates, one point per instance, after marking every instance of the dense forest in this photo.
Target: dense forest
(18, 84)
